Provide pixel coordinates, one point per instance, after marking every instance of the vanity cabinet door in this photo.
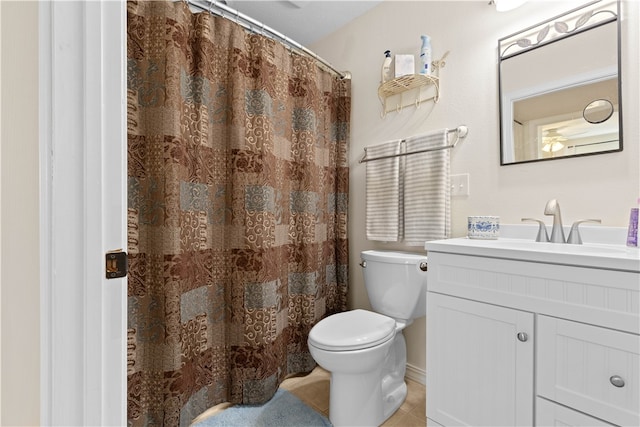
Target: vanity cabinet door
(591, 369)
(479, 363)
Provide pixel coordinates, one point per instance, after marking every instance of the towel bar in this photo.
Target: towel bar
(461, 132)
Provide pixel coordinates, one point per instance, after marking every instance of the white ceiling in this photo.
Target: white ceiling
(303, 21)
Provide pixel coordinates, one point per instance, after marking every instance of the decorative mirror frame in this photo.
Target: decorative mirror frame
(575, 21)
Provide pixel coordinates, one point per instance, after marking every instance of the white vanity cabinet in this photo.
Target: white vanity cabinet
(594, 370)
(482, 372)
(516, 341)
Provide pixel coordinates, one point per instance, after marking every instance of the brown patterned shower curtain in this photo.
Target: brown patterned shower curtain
(238, 180)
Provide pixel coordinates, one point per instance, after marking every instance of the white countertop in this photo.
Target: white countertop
(598, 251)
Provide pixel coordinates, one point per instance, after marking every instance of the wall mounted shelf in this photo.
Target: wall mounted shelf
(416, 83)
(403, 84)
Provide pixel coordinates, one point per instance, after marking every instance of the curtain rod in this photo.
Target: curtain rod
(461, 132)
(220, 9)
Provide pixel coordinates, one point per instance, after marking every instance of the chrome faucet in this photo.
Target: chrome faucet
(557, 233)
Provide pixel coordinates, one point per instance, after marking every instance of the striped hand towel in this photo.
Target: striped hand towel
(383, 194)
(427, 192)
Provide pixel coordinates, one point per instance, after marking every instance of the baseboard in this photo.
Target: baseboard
(416, 374)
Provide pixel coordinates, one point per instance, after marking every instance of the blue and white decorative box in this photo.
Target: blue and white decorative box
(483, 227)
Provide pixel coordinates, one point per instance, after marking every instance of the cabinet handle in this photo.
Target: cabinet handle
(617, 381)
(522, 336)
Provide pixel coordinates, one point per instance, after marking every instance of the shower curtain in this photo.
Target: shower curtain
(237, 211)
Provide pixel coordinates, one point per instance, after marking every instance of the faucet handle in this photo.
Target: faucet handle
(542, 230)
(574, 235)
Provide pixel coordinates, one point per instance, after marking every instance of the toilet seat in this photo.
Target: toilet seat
(352, 330)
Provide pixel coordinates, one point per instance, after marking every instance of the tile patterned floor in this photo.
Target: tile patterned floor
(313, 389)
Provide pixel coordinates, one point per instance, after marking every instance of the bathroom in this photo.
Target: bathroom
(469, 83)
(602, 186)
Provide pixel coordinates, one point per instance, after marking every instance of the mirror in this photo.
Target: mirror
(560, 87)
(598, 111)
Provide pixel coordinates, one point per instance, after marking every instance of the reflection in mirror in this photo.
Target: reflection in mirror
(598, 111)
(559, 87)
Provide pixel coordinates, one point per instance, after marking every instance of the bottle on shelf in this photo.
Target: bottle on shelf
(386, 67)
(425, 56)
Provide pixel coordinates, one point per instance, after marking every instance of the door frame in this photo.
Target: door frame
(82, 211)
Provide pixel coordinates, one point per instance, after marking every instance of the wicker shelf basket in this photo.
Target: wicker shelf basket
(400, 85)
(419, 83)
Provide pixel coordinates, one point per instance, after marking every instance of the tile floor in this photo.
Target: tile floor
(313, 389)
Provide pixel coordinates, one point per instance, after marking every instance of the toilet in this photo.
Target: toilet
(365, 351)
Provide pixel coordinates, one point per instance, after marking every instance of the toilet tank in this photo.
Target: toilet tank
(395, 283)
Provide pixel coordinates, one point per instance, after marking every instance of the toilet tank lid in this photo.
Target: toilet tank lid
(393, 257)
(352, 330)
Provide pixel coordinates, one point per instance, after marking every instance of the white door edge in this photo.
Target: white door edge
(83, 212)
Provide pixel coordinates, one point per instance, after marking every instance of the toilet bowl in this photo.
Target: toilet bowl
(365, 351)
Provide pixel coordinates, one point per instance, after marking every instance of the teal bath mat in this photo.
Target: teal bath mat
(283, 410)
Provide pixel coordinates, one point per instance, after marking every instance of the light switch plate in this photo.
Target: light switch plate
(460, 184)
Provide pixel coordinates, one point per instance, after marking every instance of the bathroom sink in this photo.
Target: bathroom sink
(593, 249)
(516, 246)
(584, 249)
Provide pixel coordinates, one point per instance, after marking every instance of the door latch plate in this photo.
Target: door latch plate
(116, 264)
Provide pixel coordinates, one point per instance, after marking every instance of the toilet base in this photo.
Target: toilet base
(370, 399)
(364, 395)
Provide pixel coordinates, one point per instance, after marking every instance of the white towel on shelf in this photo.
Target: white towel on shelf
(384, 193)
(427, 189)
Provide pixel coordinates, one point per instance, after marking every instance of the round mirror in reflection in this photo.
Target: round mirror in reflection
(598, 111)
